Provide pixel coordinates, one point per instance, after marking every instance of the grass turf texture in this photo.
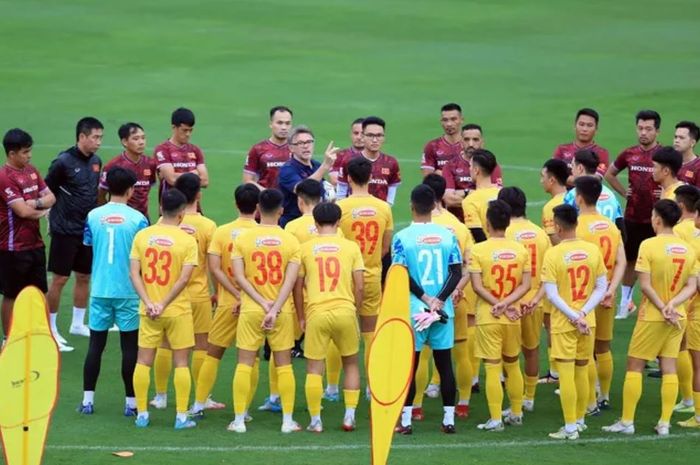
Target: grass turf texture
(519, 69)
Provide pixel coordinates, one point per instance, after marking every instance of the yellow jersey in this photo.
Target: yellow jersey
(548, 213)
(601, 232)
(475, 205)
(456, 227)
(327, 266)
(501, 263)
(222, 245)
(365, 220)
(670, 192)
(573, 265)
(202, 229)
(266, 251)
(304, 228)
(163, 251)
(536, 242)
(670, 261)
(686, 230)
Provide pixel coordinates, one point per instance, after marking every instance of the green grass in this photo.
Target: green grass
(521, 69)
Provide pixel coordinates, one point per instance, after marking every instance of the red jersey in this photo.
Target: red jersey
(566, 152)
(265, 160)
(183, 158)
(458, 177)
(340, 159)
(145, 171)
(690, 172)
(18, 234)
(643, 191)
(438, 152)
(385, 174)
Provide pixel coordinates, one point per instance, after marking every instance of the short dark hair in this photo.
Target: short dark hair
(360, 170)
(498, 215)
(566, 216)
(172, 202)
(516, 200)
(182, 116)
(281, 108)
(357, 121)
(588, 112)
(370, 120)
(558, 169)
(668, 211)
(693, 129)
(451, 107)
(246, 196)
(485, 159)
(127, 129)
(16, 139)
(270, 200)
(310, 191)
(190, 185)
(119, 180)
(86, 126)
(588, 159)
(470, 126)
(687, 195)
(589, 188)
(423, 199)
(697, 206)
(327, 213)
(436, 183)
(670, 158)
(646, 115)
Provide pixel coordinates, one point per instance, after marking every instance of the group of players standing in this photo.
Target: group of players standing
(479, 269)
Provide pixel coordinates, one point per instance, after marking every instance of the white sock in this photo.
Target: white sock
(475, 380)
(315, 418)
(448, 417)
(130, 402)
(52, 322)
(463, 402)
(570, 427)
(198, 407)
(161, 396)
(143, 415)
(350, 412)
(406, 415)
(287, 418)
(88, 397)
(239, 419)
(181, 416)
(554, 373)
(274, 398)
(332, 389)
(688, 402)
(581, 421)
(78, 317)
(625, 296)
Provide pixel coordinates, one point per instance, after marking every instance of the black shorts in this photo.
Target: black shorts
(21, 269)
(636, 233)
(67, 253)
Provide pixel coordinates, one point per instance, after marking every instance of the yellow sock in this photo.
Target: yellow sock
(696, 400)
(206, 378)
(241, 388)
(514, 386)
(367, 342)
(582, 382)
(254, 377)
(494, 390)
(422, 375)
(592, 378)
(333, 364)
(351, 397)
(198, 357)
(669, 393)
(631, 392)
(605, 373)
(463, 371)
(314, 392)
(288, 387)
(567, 391)
(183, 386)
(435, 379)
(162, 366)
(142, 380)
(272, 377)
(530, 387)
(471, 342)
(685, 375)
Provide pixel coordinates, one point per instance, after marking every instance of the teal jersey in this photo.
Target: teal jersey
(607, 205)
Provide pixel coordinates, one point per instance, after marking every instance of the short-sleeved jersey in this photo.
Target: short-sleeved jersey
(548, 213)
(607, 204)
(536, 243)
(687, 231)
(365, 219)
(670, 261)
(574, 266)
(340, 161)
(183, 158)
(690, 172)
(110, 231)
(327, 266)
(456, 227)
(163, 251)
(566, 152)
(643, 191)
(304, 228)
(145, 171)
(458, 177)
(16, 233)
(202, 229)
(475, 205)
(427, 250)
(265, 251)
(385, 173)
(601, 232)
(265, 160)
(670, 192)
(222, 246)
(438, 152)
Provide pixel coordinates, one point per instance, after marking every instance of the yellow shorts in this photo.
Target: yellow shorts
(251, 335)
(572, 345)
(496, 340)
(604, 322)
(470, 299)
(372, 298)
(223, 328)
(177, 330)
(692, 335)
(651, 339)
(546, 306)
(531, 328)
(201, 316)
(461, 320)
(338, 326)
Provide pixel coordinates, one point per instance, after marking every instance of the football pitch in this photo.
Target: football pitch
(520, 69)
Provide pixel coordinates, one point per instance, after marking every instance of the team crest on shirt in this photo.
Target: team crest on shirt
(325, 248)
(160, 156)
(363, 212)
(430, 239)
(676, 249)
(146, 172)
(689, 174)
(191, 155)
(235, 233)
(112, 219)
(503, 255)
(312, 229)
(575, 256)
(189, 229)
(386, 171)
(163, 241)
(96, 168)
(268, 241)
(598, 226)
(32, 176)
(525, 236)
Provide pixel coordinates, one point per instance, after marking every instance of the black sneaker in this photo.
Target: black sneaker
(448, 429)
(475, 388)
(604, 404)
(654, 374)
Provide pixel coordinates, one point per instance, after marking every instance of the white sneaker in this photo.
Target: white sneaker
(528, 405)
(433, 391)
(60, 339)
(159, 402)
(79, 330)
(491, 425)
(563, 434)
(64, 347)
(236, 427)
(619, 427)
(557, 392)
(349, 423)
(506, 412)
(315, 427)
(513, 420)
(291, 427)
(662, 429)
(581, 427)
